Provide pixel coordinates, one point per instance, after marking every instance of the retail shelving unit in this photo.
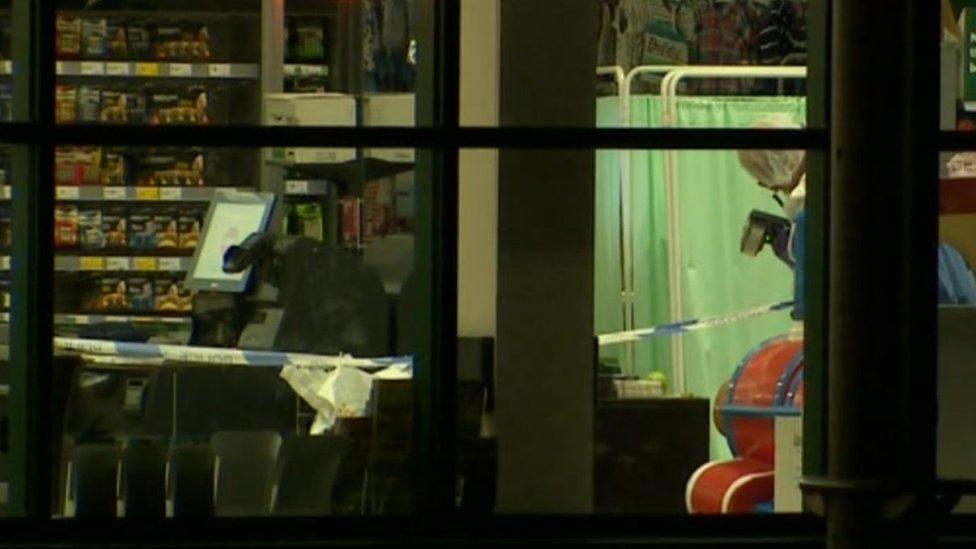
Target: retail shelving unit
(127, 219)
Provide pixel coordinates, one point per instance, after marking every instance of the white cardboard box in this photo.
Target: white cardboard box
(311, 109)
(789, 465)
(392, 110)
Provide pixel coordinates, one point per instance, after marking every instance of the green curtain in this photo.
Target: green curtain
(715, 197)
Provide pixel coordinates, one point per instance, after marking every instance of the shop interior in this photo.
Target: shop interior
(234, 326)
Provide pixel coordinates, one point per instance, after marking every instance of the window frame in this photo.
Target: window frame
(438, 143)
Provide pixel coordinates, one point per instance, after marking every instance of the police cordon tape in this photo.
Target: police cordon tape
(678, 328)
(219, 356)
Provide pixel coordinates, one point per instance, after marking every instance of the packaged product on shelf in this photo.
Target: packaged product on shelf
(309, 40)
(113, 296)
(6, 36)
(77, 165)
(6, 103)
(190, 222)
(94, 32)
(135, 105)
(165, 42)
(115, 107)
(6, 228)
(167, 235)
(378, 210)
(142, 229)
(5, 294)
(65, 226)
(181, 42)
(186, 297)
(167, 293)
(141, 295)
(66, 100)
(403, 191)
(352, 226)
(171, 168)
(89, 103)
(90, 229)
(186, 170)
(309, 218)
(116, 43)
(115, 169)
(140, 39)
(114, 222)
(68, 36)
(183, 106)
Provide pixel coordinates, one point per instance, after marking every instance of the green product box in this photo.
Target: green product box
(967, 26)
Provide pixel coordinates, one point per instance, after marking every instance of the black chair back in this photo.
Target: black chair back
(144, 478)
(305, 475)
(94, 480)
(191, 480)
(245, 467)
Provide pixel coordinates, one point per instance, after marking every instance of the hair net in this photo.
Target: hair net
(773, 168)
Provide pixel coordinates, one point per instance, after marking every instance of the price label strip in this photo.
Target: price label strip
(144, 264)
(171, 193)
(147, 193)
(115, 193)
(180, 70)
(219, 70)
(92, 68)
(147, 69)
(118, 264)
(117, 69)
(91, 264)
(172, 264)
(68, 193)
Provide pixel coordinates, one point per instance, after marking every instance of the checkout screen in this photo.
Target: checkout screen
(230, 224)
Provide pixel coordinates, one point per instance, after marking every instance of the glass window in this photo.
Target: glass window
(650, 56)
(957, 299)
(686, 274)
(324, 63)
(271, 379)
(288, 363)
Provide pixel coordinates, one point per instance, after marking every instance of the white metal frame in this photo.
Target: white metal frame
(673, 75)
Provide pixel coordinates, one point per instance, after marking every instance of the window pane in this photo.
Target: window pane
(8, 462)
(957, 304)
(14, 174)
(958, 94)
(587, 253)
(221, 62)
(272, 381)
(647, 59)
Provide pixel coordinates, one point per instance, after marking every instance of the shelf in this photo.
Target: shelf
(93, 263)
(306, 70)
(307, 187)
(87, 320)
(72, 263)
(151, 69)
(135, 194)
(78, 263)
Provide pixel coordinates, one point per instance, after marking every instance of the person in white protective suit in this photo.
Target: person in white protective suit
(784, 173)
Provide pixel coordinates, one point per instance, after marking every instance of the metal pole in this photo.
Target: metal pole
(881, 348)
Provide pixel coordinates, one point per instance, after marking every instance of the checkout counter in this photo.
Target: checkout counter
(264, 410)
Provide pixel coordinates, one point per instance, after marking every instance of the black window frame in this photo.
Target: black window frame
(35, 134)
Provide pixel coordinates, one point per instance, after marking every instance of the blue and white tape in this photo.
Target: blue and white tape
(220, 356)
(678, 328)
